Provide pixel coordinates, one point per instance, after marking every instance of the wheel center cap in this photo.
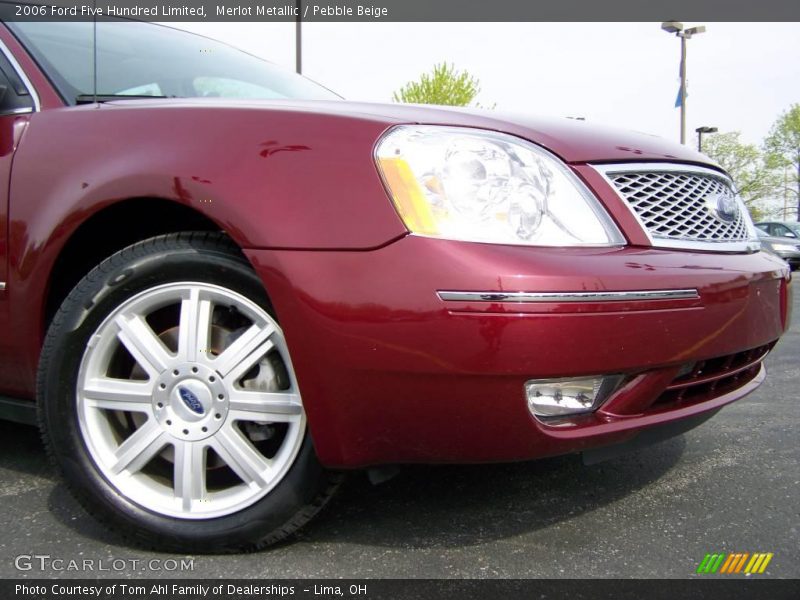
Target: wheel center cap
(190, 401)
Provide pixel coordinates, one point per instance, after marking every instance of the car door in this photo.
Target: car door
(16, 104)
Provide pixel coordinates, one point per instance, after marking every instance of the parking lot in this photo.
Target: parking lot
(732, 485)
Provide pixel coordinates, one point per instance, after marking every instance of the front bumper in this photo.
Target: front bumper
(391, 373)
(793, 258)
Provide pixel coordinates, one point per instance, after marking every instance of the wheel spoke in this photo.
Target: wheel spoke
(142, 343)
(119, 394)
(195, 327)
(240, 455)
(269, 407)
(245, 352)
(190, 473)
(140, 448)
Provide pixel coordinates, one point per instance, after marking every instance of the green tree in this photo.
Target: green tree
(783, 150)
(444, 85)
(747, 166)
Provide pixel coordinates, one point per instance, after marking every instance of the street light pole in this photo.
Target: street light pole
(700, 131)
(683, 88)
(786, 193)
(298, 39)
(676, 27)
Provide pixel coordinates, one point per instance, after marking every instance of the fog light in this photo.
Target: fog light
(560, 397)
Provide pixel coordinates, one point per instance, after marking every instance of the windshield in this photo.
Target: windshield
(795, 227)
(142, 59)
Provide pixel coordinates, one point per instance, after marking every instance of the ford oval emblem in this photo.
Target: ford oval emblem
(191, 401)
(723, 206)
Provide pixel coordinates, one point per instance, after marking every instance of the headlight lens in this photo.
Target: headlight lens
(483, 186)
(785, 247)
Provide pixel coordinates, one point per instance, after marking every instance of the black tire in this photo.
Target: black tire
(200, 256)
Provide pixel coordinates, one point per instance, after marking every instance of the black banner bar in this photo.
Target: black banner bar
(405, 10)
(734, 588)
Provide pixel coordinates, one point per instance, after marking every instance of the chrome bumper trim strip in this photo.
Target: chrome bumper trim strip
(452, 296)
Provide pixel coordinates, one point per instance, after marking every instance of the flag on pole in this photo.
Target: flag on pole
(679, 99)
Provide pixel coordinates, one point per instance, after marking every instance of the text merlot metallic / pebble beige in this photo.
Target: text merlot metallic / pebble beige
(312, 10)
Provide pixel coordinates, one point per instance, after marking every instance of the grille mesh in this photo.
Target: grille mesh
(708, 379)
(671, 205)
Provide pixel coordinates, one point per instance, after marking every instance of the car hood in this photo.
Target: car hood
(573, 140)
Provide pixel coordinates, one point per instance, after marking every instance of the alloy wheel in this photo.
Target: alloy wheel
(187, 401)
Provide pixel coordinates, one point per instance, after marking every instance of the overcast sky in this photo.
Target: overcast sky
(741, 76)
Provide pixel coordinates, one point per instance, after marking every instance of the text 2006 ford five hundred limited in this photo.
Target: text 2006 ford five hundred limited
(232, 286)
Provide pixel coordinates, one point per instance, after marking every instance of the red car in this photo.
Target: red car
(223, 286)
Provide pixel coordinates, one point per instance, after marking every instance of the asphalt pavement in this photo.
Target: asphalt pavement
(731, 485)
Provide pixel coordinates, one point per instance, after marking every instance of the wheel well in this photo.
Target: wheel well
(111, 230)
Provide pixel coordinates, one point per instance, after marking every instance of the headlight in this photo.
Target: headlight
(785, 247)
(483, 186)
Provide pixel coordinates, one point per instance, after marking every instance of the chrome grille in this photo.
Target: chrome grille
(671, 204)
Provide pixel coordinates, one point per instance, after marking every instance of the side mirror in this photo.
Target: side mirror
(789, 234)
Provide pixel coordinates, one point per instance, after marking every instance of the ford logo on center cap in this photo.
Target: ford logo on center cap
(191, 401)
